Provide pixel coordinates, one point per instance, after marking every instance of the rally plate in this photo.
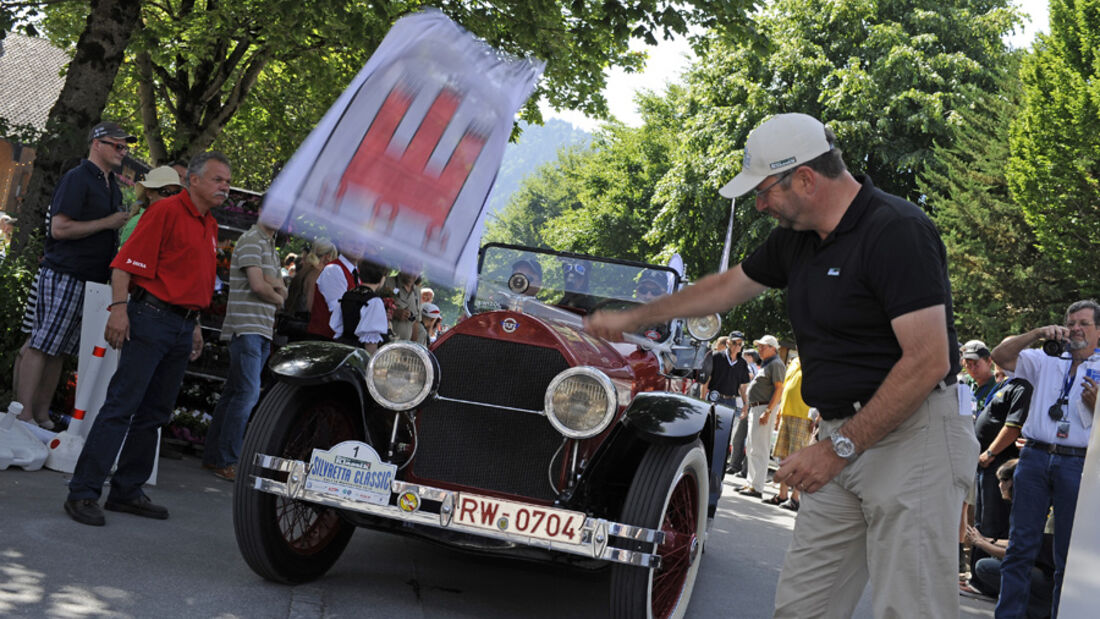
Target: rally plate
(351, 470)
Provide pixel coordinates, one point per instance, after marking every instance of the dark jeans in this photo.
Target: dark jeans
(987, 579)
(737, 437)
(991, 512)
(247, 354)
(1041, 480)
(139, 401)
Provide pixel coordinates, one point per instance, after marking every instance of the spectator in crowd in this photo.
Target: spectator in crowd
(651, 285)
(728, 376)
(1001, 409)
(986, 581)
(366, 308)
(290, 266)
(336, 278)
(1048, 473)
(870, 303)
(256, 291)
(431, 318)
(427, 295)
(752, 358)
(406, 313)
(82, 235)
(532, 270)
(764, 392)
(795, 430)
(6, 228)
(169, 264)
(299, 298)
(159, 183)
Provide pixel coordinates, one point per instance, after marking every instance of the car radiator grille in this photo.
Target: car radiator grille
(484, 447)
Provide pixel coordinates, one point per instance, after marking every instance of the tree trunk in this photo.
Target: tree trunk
(91, 75)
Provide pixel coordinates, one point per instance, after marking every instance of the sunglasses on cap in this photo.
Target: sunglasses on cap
(569, 267)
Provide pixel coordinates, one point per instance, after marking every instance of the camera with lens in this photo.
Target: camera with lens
(1055, 348)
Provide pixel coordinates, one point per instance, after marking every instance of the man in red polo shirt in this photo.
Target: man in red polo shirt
(168, 267)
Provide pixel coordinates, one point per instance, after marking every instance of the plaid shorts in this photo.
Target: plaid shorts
(32, 302)
(794, 434)
(57, 313)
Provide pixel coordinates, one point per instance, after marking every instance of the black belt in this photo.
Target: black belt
(842, 412)
(1061, 450)
(142, 295)
(752, 404)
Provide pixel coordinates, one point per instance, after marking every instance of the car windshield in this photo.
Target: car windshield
(574, 282)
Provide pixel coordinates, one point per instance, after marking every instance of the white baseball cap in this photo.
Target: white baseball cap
(430, 310)
(781, 143)
(767, 340)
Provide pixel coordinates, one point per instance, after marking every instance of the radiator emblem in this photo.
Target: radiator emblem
(409, 502)
(510, 325)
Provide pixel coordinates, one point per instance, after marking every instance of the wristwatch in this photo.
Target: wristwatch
(843, 446)
(989, 452)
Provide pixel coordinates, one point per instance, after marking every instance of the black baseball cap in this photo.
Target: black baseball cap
(109, 129)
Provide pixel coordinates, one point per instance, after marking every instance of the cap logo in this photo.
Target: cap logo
(783, 162)
(747, 161)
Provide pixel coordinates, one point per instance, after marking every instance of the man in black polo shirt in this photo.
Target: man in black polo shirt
(81, 238)
(729, 380)
(870, 303)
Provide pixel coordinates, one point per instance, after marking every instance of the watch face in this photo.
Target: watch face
(843, 446)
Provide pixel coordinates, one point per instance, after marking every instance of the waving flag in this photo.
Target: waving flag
(402, 163)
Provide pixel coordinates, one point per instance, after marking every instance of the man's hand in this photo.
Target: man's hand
(608, 325)
(810, 468)
(745, 413)
(196, 342)
(984, 460)
(764, 416)
(118, 326)
(114, 221)
(1088, 394)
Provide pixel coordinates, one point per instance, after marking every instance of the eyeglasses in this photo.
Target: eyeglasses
(1080, 323)
(570, 267)
(122, 148)
(757, 193)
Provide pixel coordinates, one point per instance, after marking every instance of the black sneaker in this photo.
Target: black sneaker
(85, 511)
(141, 506)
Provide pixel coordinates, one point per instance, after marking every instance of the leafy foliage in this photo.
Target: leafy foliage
(1001, 282)
(1054, 170)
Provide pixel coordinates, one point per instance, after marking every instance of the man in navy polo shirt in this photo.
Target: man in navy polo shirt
(168, 267)
(81, 238)
(870, 303)
(1048, 474)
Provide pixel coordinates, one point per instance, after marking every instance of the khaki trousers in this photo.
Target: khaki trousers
(892, 514)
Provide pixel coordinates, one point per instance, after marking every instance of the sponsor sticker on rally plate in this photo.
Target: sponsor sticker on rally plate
(351, 470)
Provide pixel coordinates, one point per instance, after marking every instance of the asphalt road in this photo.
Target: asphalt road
(189, 566)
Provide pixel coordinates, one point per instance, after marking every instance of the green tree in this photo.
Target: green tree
(1054, 170)
(1002, 283)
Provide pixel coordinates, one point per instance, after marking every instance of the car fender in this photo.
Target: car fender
(661, 416)
(319, 362)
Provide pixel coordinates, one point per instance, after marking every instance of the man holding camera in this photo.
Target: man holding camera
(1057, 431)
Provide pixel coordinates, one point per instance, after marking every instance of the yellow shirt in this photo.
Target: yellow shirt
(792, 405)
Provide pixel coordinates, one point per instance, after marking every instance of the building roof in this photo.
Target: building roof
(30, 79)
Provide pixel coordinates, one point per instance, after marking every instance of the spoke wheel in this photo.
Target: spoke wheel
(281, 539)
(669, 492)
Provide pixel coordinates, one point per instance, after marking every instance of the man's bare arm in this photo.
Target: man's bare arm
(65, 228)
(1008, 351)
(261, 287)
(713, 293)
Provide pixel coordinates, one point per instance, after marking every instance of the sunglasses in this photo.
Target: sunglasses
(167, 191)
(651, 291)
(122, 148)
(569, 267)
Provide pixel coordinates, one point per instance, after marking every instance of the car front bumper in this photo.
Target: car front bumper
(594, 535)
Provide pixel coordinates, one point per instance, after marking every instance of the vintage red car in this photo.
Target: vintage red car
(515, 433)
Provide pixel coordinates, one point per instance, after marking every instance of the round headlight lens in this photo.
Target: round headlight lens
(704, 328)
(580, 402)
(400, 375)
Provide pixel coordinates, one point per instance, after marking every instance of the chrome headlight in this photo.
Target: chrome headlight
(581, 402)
(401, 375)
(704, 328)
